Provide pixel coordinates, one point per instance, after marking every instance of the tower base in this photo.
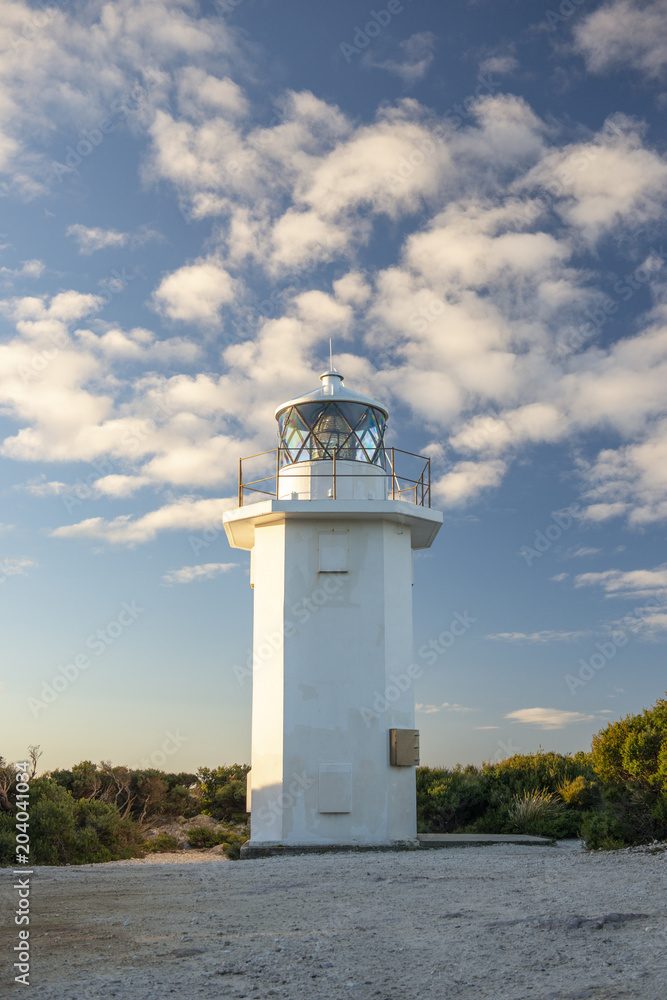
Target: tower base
(250, 850)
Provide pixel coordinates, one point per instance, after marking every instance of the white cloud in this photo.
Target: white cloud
(92, 239)
(582, 551)
(625, 33)
(206, 571)
(598, 184)
(466, 480)
(196, 292)
(15, 566)
(28, 269)
(559, 577)
(633, 478)
(499, 64)
(412, 60)
(446, 706)
(96, 64)
(117, 485)
(42, 488)
(548, 718)
(626, 583)
(547, 635)
(185, 514)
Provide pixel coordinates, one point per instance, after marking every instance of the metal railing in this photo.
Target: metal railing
(400, 486)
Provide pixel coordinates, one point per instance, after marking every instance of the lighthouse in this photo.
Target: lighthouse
(331, 518)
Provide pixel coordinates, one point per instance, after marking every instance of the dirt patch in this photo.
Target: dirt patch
(480, 923)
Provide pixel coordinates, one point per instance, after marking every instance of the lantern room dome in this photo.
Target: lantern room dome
(332, 385)
(332, 422)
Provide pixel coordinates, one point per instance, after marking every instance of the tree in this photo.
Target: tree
(633, 750)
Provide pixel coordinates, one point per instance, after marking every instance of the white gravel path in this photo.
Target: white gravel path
(476, 923)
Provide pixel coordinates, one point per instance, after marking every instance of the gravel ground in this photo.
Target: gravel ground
(476, 923)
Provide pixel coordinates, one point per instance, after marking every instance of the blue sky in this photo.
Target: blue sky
(468, 198)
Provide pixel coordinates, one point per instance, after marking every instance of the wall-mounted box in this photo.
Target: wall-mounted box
(404, 747)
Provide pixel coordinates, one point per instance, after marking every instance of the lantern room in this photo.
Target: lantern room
(340, 430)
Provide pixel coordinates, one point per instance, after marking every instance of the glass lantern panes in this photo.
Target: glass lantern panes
(312, 431)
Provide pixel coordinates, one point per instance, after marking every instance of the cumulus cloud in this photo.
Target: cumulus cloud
(625, 33)
(499, 64)
(96, 64)
(28, 269)
(195, 293)
(413, 57)
(90, 239)
(626, 583)
(470, 320)
(205, 571)
(632, 479)
(15, 566)
(466, 480)
(185, 514)
(548, 718)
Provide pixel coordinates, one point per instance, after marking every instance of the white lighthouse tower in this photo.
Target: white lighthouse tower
(331, 528)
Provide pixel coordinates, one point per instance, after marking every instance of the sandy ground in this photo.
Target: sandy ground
(467, 923)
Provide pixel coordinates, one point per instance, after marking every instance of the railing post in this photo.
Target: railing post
(240, 482)
(278, 473)
(428, 464)
(392, 474)
(334, 474)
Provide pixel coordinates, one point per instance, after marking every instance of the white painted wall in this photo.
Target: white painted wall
(314, 481)
(328, 648)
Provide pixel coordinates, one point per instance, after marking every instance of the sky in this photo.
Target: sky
(468, 198)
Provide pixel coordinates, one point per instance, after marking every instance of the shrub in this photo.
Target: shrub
(537, 813)
(233, 844)
(162, 844)
(201, 836)
(223, 790)
(578, 793)
(634, 749)
(602, 832)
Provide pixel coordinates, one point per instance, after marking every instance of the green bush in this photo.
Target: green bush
(201, 836)
(65, 831)
(233, 844)
(223, 791)
(479, 799)
(162, 844)
(538, 813)
(602, 832)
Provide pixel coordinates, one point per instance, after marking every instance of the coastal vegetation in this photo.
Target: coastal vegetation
(613, 796)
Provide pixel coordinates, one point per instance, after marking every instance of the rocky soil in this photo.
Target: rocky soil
(476, 923)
